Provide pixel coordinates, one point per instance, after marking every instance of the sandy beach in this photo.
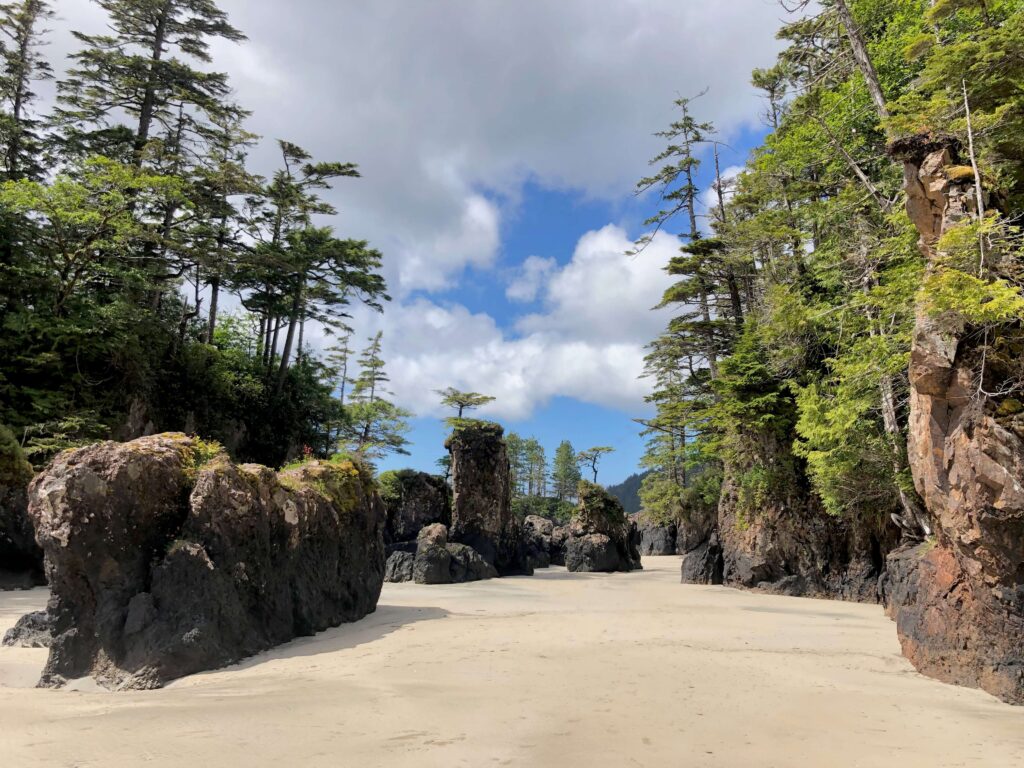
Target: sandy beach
(556, 670)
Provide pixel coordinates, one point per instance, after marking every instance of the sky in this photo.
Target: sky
(499, 143)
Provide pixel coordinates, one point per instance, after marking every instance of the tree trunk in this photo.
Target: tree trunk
(211, 323)
(293, 323)
(860, 54)
(148, 106)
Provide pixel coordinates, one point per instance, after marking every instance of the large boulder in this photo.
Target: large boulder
(435, 560)
(482, 516)
(958, 600)
(33, 630)
(165, 559)
(600, 535)
(21, 559)
(414, 500)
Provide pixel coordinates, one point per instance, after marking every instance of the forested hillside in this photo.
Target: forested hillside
(128, 215)
(785, 370)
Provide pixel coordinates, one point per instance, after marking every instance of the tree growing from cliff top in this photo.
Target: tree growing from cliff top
(592, 457)
(462, 401)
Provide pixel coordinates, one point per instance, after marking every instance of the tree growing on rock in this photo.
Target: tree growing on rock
(592, 457)
(462, 401)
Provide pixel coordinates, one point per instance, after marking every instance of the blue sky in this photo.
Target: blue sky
(499, 143)
(548, 223)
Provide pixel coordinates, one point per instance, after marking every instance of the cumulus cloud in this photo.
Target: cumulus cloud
(529, 278)
(448, 106)
(587, 343)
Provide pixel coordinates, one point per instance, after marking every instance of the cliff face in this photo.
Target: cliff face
(482, 516)
(771, 533)
(164, 561)
(958, 601)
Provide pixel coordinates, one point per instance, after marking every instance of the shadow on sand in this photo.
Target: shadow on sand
(385, 620)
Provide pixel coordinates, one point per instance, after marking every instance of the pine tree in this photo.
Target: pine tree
(462, 401)
(591, 457)
(23, 66)
(565, 473)
(374, 426)
(142, 70)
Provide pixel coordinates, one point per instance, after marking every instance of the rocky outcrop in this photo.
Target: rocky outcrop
(21, 559)
(771, 533)
(33, 630)
(435, 560)
(600, 534)
(166, 559)
(537, 538)
(413, 500)
(958, 600)
(656, 539)
(482, 515)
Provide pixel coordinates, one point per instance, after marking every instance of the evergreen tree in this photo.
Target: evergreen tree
(565, 473)
(142, 70)
(374, 426)
(591, 457)
(21, 25)
(462, 401)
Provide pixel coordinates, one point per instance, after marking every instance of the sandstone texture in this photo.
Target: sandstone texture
(166, 559)
(958, 600)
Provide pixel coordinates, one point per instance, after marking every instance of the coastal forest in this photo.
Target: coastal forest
(205, 455)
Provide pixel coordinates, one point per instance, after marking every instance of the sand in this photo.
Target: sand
(556, 670)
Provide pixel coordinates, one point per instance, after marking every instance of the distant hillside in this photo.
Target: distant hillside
(628, 492)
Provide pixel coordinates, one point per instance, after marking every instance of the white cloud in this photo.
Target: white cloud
(527, 282)
(448, 106)
(588, 343)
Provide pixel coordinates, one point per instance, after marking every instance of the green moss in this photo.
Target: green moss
(1011, 406)
(959, 172)
(198, 454)
(15, 471)
(341, 482)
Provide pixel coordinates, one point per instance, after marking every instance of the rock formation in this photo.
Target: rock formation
(21, 560)
(782, 540)
(656, 539)
(482, 515)
(958, 599)
(413, 500)
(435, 560)
(600, 534)
(166, 559)
(537, 537)
(33, 630)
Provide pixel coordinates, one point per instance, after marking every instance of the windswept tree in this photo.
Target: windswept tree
(130, 85)
(591, 457)
(462, 401)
